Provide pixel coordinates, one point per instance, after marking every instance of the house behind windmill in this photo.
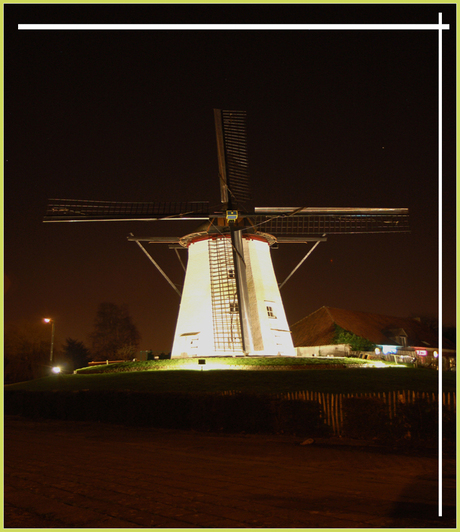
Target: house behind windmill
(317, 335)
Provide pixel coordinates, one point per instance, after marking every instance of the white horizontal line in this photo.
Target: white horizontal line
(233, 27)
(332, 210)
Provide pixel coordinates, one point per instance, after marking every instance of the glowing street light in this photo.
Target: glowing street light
(49, 320)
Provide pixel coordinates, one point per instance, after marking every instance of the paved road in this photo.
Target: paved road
(85, 475)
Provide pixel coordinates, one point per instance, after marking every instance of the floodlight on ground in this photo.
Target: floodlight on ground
(56, 369)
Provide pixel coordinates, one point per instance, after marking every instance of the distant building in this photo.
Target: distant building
(317, 334)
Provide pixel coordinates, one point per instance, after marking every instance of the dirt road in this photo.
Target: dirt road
(84, 475)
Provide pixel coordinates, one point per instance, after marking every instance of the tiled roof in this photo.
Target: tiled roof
(319, 328)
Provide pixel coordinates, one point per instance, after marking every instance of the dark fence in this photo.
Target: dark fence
(396, 416)
(332, 404)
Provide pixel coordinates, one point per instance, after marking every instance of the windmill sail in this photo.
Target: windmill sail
(232, 155)
(227, 336)
(235, 194)
(330, 221)
(61, 210)
(242, 289)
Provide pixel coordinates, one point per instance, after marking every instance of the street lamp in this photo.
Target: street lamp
(49, 320)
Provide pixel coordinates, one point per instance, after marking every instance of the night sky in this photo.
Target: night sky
(343, 118)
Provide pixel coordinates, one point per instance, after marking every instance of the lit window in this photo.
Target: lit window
(270, 312)
(389, 349)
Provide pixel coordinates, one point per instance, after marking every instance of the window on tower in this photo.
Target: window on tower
(271, 312)
(234, 308)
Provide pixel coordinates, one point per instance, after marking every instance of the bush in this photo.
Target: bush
(449, 425)
(357, 343)
(418, 421)
(413, 423)
(250, 413)
(228, 413)
(298, 417)
(366, 418)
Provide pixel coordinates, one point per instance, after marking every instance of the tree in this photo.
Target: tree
(76, 352)
(26, 351)
(357, 343)
(115, 337)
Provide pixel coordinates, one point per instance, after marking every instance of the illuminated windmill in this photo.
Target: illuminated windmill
(231, 302)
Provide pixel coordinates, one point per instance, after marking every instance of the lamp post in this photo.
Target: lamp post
(49, 320)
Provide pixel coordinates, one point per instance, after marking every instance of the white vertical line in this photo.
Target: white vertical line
(440, 267)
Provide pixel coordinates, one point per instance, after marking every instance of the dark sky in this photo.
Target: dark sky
(343, 118)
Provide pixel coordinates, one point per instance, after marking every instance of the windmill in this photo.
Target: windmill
(230, 302)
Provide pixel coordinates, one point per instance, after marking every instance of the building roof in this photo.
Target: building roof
(319, 329)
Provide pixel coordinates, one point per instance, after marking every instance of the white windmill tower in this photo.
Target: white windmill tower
(230, 302)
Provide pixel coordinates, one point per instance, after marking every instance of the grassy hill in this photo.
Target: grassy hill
(268, 381)
(168, 396)
(204, 363)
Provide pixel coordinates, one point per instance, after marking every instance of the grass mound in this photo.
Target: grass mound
(220, 363)
(191, 381)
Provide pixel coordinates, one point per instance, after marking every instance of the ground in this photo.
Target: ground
(85, 475)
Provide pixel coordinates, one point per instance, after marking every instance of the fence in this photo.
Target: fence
(331, 403)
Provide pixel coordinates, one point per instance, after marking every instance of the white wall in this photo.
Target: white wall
(194, 329)
(271, 335)
(194, 333)
(339, 350)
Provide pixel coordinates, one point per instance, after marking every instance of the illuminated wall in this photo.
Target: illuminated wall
(199, 331)
(270, 330)
(194, 332)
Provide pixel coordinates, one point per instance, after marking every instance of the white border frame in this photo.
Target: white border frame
(439, 27)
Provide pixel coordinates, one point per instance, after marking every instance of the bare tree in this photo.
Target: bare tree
(115, 337)
(76, 353)
(26, 351)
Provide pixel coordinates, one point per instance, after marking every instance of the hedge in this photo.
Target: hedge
(363, 417)
(369, 418)
(240, 412)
